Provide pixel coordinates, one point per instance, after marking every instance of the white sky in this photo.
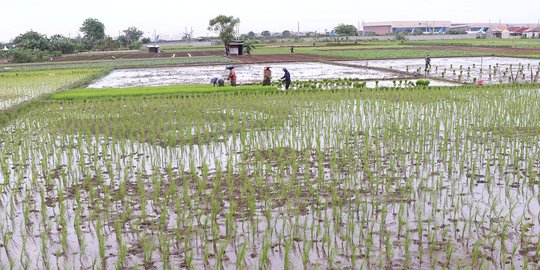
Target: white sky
(171, 17)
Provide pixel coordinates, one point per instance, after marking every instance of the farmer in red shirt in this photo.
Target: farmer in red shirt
(232, 75)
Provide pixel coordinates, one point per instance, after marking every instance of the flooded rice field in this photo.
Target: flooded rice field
(246, 74)
(489, 70)
(418, 179)
(492, 70)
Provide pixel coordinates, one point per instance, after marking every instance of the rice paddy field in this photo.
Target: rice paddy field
(17, 87)
(357, 166)
(491, 70)
(343, 179)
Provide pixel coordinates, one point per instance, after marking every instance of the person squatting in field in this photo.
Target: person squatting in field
(217, 81)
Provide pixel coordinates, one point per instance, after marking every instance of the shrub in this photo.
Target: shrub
(29, 56)
(25, 56)
(422, 83)
(400, 37)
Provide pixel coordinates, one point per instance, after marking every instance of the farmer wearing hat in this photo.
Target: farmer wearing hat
(267, 76)
(232, 75)
(286, 78)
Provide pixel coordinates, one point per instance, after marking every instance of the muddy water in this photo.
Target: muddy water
(501, 68)
(245, 73)
(396, 179)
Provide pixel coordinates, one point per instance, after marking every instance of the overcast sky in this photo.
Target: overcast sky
(171, 17)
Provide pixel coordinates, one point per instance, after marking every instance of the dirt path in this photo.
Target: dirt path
(279, 58)
(296, 57)
(136, 55)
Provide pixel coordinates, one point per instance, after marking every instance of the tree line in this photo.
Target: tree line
(33, 46)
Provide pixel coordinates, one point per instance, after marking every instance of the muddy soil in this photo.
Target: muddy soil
(136, 55)
(492, 70)
(247, 73)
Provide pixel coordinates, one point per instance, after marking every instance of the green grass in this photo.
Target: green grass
(395, 54)
(497, 43)
(92, 93)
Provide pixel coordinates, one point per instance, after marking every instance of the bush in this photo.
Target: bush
(135, 45)
(29, 56)
(400, 37)
(25, 56)
(422, 83)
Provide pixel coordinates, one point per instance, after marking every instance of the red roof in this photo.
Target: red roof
(536, 29)
(518, 29)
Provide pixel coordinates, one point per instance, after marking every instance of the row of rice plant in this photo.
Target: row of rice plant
(20, 86)
(493, 74)
(424, 178)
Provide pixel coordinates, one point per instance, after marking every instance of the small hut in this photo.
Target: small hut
(153, 48)
(236, 47)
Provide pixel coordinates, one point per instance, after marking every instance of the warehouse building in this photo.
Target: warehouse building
(407, 27)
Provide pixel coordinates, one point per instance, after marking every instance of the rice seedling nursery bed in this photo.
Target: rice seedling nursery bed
(423, 178)
(20, 86)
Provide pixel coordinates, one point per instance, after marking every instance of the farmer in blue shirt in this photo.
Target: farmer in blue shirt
(286, 78)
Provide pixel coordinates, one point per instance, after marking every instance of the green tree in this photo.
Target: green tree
(265, 33)
(63, 44)
(93, 30)
(286, 34)
(107, 44)
(130, 38)
(32, 40)
(251, 34)
(145, 40)
(346, 30)
(133, 34)
(224, 25)
(249, 46)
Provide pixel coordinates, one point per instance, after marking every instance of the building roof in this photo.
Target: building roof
(536, 29)
(517, 29)
(236, 42)
(500, 28)
(472, 24)
(409, 24)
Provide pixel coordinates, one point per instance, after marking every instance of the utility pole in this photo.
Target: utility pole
(298, 31)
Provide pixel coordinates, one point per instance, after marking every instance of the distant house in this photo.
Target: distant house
(517, 32)
(501, 32)
(532, 33)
